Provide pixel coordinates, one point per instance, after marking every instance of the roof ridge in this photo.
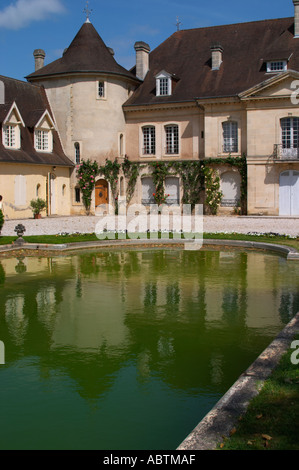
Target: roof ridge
(235, 24)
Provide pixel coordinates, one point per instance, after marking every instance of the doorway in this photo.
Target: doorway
(101, 192)
(289, 193)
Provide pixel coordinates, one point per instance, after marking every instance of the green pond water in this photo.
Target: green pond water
(130, 349)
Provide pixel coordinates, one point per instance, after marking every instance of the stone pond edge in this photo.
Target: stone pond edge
(224, 416)
(290, 252)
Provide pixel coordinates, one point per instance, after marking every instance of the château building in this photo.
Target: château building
(213, 94)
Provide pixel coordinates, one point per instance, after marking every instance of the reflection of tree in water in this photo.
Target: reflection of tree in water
(234, 300)
(178, 346)
(289, 305)
(94, 372)
(150, 295)
(2, 274)
(79, 286)
(173, 295)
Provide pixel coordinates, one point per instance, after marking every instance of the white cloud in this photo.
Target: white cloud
(23, 12)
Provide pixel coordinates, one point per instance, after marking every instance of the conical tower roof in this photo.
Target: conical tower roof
(87, 53)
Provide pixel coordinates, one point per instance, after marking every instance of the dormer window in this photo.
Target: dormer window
(9, 136)
(43, 133)
(163, 84)
(11, 129)
(276, 66)
(42, 140)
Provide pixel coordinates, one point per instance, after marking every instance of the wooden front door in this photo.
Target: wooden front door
(101, 192)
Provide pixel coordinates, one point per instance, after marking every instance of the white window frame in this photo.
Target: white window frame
(43, 136)
(230, 137)
(163, 84)
(148, 140)
(172, 139)
(43, 140)
(9, 134)
(290, 136)
(11, 128)
(274, 66)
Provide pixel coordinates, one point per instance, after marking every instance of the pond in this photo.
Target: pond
(129, 349)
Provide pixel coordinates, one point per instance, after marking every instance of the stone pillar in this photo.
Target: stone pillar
(39, 57)
(217, 50)
(142, 59)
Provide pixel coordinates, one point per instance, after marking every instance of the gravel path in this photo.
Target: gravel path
(83, 224)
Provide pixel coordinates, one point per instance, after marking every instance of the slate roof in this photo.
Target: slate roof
(87, 53)
(32, 102)
(246, 48)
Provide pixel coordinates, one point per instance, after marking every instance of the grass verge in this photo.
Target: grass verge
(272, 418)
(72, 238)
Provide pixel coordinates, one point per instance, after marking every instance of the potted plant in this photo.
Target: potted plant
(38, 205)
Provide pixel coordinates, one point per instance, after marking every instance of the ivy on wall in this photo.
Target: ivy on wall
(198, 178)
(110, 171)
(159, 172)
(131, 171)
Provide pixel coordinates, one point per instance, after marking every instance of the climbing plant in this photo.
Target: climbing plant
(192, 177)
(213, 195)
(197, 177)
(241, 164)
(110, 171)
(86, 174)
(131, 171)
(159, 172)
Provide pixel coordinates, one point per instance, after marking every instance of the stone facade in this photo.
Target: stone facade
(209, 104)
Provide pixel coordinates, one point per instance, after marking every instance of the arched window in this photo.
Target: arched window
(37, 190)
(77, 153)
(63, 189)
(77, 194)
(172, 188)
(149, 140)
(148, 189)
(231, 188)
(172, 139)
(230, 136)
(121, 145)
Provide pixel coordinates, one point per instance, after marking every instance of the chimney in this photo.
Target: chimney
(296, 18)
(142, 59)
(39, 57)
(217, 50)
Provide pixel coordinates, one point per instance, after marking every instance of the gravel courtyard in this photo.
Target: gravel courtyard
(87, 224)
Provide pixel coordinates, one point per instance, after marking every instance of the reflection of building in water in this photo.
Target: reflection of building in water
(16, 319)
(91, 313)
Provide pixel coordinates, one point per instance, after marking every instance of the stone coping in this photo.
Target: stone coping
(289, 252)
(224, 416)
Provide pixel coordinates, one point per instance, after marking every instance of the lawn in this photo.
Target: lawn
(71, 238)
(272, 419)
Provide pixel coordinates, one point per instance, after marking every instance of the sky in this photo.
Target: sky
(51, 25)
